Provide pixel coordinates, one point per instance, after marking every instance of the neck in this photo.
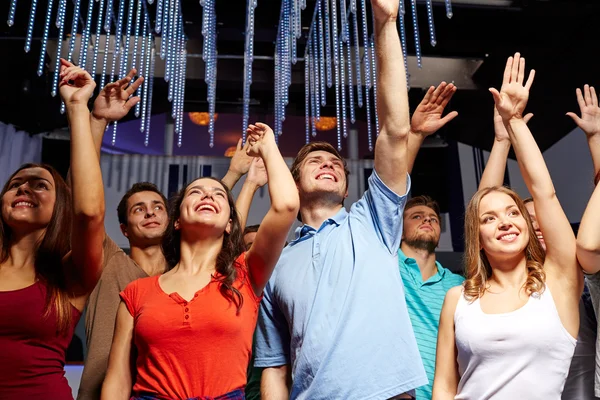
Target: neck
(509, 273)
(199, 255)
(314, 213)
(425, 260)
(150, 259)
(21, 253)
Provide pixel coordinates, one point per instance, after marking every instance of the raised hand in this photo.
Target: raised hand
(240, 162)
(590, 112)
(500, 131)
(260, 139)
(76, 85)
(385, 10)
(258, 172)
(513, 95)
(427, 118)
(115, 100)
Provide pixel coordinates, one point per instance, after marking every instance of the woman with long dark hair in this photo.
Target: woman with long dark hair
(191, 328)
(514, 322)
(49, 257)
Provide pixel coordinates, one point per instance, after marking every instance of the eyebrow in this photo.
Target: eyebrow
(506, 209)
(141, 203)
(30, 178)
(214, 189)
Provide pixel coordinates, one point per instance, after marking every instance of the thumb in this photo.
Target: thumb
(238, 147)
(496, 95)
(575, 118)
(132, 102)
(449, 117)
(527, 117)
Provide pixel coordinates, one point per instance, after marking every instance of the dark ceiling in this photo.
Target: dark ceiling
(558, 38)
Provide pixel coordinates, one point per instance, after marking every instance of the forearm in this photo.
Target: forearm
(115, 389)
(588, 236)
(594, 144)
(392, 93)
(275, 384)
(86, 176)
(244, 201)
(531, 162)
(495, 168)
(231, 178)
(98, 127)
(282, 188)
(415, 141)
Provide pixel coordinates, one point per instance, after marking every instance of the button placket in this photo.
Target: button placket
(186, 313)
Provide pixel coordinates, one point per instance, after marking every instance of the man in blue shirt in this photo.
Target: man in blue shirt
(334, 316)
(425, 280)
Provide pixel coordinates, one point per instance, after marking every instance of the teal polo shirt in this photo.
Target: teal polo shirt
(424, 302)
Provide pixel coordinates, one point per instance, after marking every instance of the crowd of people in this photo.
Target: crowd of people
(355, 307)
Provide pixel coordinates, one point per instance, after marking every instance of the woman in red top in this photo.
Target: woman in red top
(44, 285)
(192, 327)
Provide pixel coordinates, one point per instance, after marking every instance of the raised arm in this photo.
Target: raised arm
(285, 202)
(588, 236)
(257, 178)
(85, 263)
(495, 168)
(427, 118)
(589, 121)
(239, 165)
(275, 383)
(118, 382)
(392, 99)
(445, 382)
(561, 261)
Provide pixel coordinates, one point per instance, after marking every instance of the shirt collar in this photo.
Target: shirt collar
(413, 268)
(305, 229)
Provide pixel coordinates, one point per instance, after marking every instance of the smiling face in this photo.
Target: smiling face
(205, 205)
(534, 223)
(29, 200)
(146, 219)
(421, 228)
(503, 230)
(322, 173)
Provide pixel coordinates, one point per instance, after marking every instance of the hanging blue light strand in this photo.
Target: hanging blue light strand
(336, 64)
(320, 59)
(61, 31)
(142, 89)
(170, 45)
(432, 38)
(403, 43)
(86, 36)
(316, 76)
(357, 59)
(11, 13)
(182, 91)
(315, 107)
(367, 73)
(149, 101)
(125, 53)
(350, 82)
(248, 59)
(74, 24)
(148, 78)
(416, 33)
(118, 38)
(165, 26)
(30, 26)
(136, 37)
(342, 70)
(158, 21)
(97, 41)
(306, 98)
(109, 15)
(449, 9)
(343, 22)
(374, 69)
(327, 43)
(41, 63)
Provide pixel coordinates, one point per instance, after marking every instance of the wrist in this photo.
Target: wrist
(232, 173)
(250, 184)
(76, 108)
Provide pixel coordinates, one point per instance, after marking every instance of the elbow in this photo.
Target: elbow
(287, 207)
(90, 214)
(588, 255)
(396, 129)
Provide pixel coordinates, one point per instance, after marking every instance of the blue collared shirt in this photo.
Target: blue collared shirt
(424, 301)
(335, 310)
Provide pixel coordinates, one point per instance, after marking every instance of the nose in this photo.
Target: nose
(327, 164)
(24, 188)
(505, 224)
(206, 194)
(150, 213)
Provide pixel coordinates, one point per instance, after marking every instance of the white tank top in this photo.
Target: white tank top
(521, 355)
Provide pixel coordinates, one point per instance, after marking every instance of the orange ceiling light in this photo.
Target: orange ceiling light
(325, 123)
(230, 151)
(201, 118)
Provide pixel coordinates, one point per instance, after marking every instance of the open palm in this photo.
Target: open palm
(427, 118)
(114, 101)
(590, 112)
(513, 95)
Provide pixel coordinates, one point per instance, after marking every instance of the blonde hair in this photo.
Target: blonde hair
(477, 267)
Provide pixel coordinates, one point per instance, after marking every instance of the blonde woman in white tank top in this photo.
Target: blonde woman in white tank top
(510, 332)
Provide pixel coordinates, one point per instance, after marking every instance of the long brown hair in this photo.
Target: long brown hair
(51, 249)
(233, 245)
(477, 267)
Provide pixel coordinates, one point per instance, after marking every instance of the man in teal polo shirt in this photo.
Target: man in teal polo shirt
(425, 280)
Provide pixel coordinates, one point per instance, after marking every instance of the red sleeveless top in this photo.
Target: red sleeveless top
(32, 353)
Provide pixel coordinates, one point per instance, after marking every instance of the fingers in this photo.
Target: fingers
(428, 95)
(135, 85)
(123, 82)
(514, 72)
(436, 93)
(507, 70)
(497, 98)
(527, 117)
(580, 99)
(594, 96)
(132, 102)
(587, 95)
(449, 117)
(530, 79)
(447, 95)
(263, 127)
(575, 118)
(521, 74)
(66, 63)
(238, 146)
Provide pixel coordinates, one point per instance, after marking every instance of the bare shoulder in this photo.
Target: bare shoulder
(452, 297)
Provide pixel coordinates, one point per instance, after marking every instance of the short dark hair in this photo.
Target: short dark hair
(311, 147)
(528, 200)
(136, 188)
(423, 201)
(250, 229)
